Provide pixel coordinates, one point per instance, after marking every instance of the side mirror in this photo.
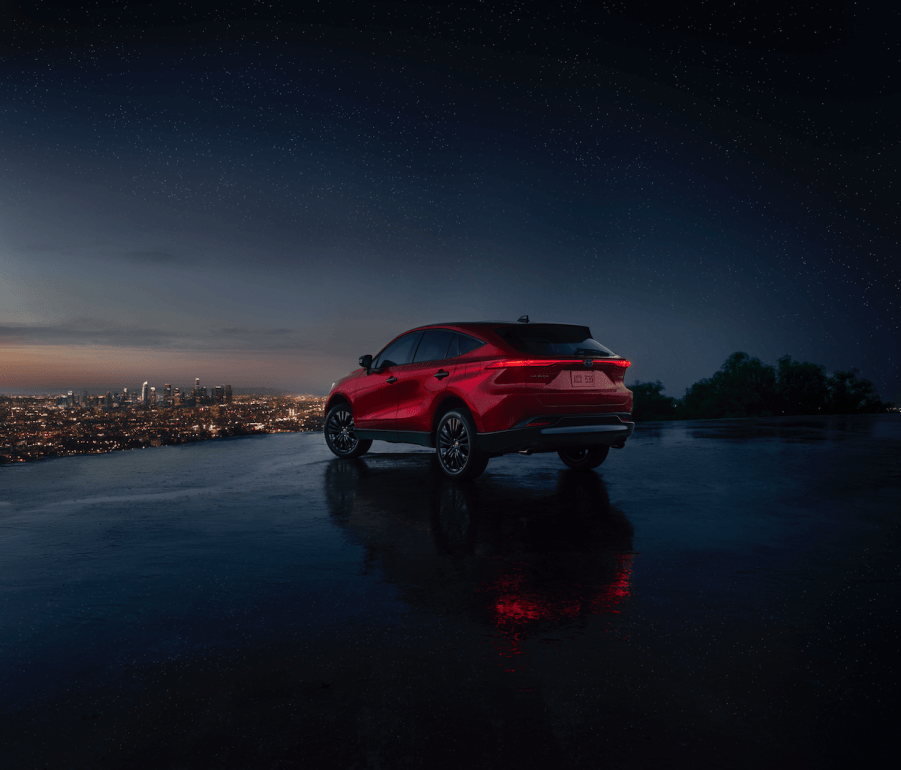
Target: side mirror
(366, 362)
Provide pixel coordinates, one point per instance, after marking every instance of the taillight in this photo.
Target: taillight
(619, 366)
(508, 364)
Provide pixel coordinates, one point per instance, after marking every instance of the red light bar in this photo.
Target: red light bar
(620, 362)
(527, 362)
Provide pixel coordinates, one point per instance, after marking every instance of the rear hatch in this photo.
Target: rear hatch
(564, 363)
(580, 383)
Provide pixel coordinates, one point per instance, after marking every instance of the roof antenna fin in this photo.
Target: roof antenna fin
(523, 319)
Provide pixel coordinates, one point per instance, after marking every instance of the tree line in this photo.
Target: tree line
(747, 387)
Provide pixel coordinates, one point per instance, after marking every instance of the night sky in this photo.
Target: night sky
(259, 193)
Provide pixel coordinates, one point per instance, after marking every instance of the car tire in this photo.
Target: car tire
(456, 442)
(584, 458)
(339, 433)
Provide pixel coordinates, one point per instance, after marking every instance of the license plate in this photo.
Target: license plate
(584, 379)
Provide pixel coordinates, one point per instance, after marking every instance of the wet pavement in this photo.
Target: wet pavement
(717, 594)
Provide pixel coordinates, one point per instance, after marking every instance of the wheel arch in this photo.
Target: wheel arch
(336, 398)
(449, 401)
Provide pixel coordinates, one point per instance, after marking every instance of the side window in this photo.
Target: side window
(466, 344)
(398, 352)
(434, 345)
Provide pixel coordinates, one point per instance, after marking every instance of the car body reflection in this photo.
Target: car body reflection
(524, 558)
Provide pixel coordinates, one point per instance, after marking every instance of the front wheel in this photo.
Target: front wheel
(339, 433)
(459, 456)
(584, 458)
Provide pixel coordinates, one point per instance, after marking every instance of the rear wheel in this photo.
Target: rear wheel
(339, 433)
(459, 456)
(584, 458)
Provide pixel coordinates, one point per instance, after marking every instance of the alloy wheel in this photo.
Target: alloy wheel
(453, 444)
(340, 431)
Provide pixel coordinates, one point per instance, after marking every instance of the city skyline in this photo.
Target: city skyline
(265, 194)
(147, 394)
(132, 390)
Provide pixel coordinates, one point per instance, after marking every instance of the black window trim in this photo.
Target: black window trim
(421, 333)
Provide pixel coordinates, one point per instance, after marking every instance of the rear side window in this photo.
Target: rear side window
(553, 340)
(434, 346)
(463, 344)
(398, 353)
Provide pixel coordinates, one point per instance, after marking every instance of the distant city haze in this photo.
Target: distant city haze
(259, 196)
(61, 369)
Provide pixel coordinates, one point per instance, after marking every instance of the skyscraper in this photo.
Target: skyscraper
(145, 394)
(218, 394)
(228, 394)
(152, 395)
(167, 392)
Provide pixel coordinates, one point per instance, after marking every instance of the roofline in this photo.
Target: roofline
(467, 323)
(491, 324)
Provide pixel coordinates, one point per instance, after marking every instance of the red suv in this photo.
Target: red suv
(480, 390)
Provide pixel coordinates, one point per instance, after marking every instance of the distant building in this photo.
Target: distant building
(152, 395)
(228, 394)
(145, 394)
(218, 394)
(167, 393)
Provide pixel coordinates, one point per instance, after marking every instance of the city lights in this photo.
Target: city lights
(39, 426)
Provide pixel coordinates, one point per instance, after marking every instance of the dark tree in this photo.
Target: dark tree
(802, 387)
(743, 387)
(650, 404)
(747, 387)
(848, 395)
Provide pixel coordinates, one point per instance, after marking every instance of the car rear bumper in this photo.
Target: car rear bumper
(560, 432)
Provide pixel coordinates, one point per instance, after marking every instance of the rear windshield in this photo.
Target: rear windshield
(553, 340)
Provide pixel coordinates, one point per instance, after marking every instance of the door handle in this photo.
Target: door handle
(391, 379)
(442, 374)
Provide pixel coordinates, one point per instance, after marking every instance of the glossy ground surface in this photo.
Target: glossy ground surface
(720, 594)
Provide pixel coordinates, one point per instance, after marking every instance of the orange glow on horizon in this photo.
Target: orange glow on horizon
(52, 368)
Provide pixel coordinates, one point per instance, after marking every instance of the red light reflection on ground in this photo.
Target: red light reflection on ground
(519, 611)
(616, 592)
